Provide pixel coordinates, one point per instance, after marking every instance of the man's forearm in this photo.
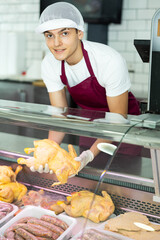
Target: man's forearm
(94, 148)
(56, 136)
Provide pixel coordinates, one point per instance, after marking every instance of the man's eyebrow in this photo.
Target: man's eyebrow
(47, 32)
(62, 30)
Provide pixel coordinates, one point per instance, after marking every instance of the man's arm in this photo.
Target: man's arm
(58, 98)
(118, 104)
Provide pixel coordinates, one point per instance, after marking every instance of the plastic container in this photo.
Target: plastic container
(116, 236)
(33, 211)
(9, 215)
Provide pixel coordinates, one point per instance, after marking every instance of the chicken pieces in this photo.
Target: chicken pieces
(10, 190)
(43, 199)
(59, 160)
(79, 204)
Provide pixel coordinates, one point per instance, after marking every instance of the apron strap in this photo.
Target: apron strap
(86, 57)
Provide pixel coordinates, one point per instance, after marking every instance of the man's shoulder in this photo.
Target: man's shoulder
(99, 49)
(49, 58)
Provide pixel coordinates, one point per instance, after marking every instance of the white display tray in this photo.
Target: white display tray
(81, 222)
(9, 215)
(33, 211)
(107, 233)
(100, 227)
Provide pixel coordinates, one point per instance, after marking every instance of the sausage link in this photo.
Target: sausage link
(22, 220)
(38, 232)
(43, 238)
(26, 235)
(40, 227)
(3, 238)
(52, 227)
(10, 235)
(18, 237)
(6, 207)
(55, 221)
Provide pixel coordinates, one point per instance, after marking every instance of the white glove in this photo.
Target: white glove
(41, 169)
(85, 157)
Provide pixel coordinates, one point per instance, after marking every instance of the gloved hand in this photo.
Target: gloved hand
(85, 157)
(41, 169)
(45, 170)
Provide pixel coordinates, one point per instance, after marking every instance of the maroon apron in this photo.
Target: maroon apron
(90, 95)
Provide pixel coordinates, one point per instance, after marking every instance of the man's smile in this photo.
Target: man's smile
(59, 50)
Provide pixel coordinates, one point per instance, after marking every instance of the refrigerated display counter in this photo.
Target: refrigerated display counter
(132, 180)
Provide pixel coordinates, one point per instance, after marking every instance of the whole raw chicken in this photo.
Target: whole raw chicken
(59, 160)
(7, 175)
(10, 189)
(79, 204)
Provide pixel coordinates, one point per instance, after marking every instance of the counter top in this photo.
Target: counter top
(18, 78)
(23, 79)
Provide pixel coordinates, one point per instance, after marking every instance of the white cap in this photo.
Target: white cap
(60, 15)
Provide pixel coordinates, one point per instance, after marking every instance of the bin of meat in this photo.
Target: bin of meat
(97, 234)
(44, 199)
(7, 211)
(35, 223)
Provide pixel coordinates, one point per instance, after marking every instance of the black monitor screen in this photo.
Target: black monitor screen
(94, 11)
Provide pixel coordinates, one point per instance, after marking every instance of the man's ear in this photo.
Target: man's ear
(80, 34)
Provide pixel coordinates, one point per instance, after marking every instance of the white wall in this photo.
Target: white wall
(22, 16)
(136, 24)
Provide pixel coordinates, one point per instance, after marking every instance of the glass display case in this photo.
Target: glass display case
(130, 175)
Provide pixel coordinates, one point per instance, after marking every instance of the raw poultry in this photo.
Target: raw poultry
(79, 204)
(43, 199)
(10, 189)
(7, 175)
(59, 160)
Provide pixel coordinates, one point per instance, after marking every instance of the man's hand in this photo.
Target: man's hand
(85, 157)
(41, 169)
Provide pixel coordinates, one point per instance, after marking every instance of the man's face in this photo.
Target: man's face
(64, 44)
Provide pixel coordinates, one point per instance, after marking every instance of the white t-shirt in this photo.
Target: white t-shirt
(108, 66)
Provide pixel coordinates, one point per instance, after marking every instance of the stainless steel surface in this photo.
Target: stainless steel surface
(118, 176)
(147, 120)
(155, 154)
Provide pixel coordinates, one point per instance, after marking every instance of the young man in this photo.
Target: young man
(96, 75)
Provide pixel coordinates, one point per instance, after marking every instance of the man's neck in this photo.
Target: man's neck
(77, 56)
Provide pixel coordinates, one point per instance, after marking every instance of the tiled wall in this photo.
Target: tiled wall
(22, 16)
(136, 24)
